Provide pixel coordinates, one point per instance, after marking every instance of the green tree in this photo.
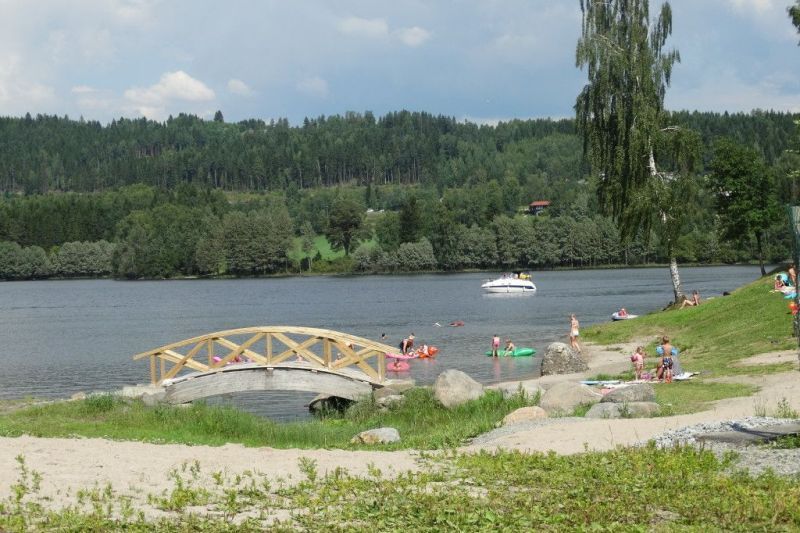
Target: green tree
(344, 223)
(745, 193)
(794, 14)
(307, 245)
(410, 220)
(620, 115)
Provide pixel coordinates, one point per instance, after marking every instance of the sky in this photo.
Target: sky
(477, 60)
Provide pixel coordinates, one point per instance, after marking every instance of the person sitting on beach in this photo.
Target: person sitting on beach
(694, 301)
(509, 349)
(638, 362)
(778, 284)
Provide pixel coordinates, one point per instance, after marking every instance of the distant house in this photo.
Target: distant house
(534, 208)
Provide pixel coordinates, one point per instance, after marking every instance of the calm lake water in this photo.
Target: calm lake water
(61, 337)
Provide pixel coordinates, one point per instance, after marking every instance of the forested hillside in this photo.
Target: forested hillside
(137, 198)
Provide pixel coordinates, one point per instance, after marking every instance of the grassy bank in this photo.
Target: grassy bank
(715, 335)
(627, 490)
(421, 420)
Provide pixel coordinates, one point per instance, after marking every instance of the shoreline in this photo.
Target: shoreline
(70, 464)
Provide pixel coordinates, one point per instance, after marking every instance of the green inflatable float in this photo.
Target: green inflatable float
(518, 352)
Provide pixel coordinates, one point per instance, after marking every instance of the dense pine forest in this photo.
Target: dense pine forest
(403, 192)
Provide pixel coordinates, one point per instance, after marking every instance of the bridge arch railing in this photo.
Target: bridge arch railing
(269, 346)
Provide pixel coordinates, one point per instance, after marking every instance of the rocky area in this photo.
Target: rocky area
(754, 457)
(561, 359)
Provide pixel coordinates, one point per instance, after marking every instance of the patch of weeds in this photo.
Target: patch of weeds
(581, 410)
(787, 442)
(185, 493)
(759, 407)
(785, 410)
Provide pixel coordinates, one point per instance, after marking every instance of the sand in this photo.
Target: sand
(137, 469)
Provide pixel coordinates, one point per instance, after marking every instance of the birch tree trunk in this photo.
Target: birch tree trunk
(676, 278)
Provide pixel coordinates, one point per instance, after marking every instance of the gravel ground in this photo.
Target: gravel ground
(754, 458)
(751, 457)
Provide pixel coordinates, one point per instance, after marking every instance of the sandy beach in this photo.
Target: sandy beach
(138, 469)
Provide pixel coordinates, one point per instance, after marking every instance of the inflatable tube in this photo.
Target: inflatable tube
(432, 351)
(615, 316)
(660, 350)
(398, 366)
(400, 356)
(519, 352)
(457, 323)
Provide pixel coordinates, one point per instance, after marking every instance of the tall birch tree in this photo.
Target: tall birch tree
(642, 164)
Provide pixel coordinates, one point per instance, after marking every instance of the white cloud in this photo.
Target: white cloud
(314, 86)
(725, 91)
(413, 36)
(176, 85)
(152, 101)
(366, 27)
(18, 92)
(239, 87)
(82, 89)
(749, 6)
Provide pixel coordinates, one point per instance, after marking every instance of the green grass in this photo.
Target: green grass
(421, 420)
(643, 489)
(679, 398)
(715, 334)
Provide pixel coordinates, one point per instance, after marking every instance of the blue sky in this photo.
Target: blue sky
(482, 60)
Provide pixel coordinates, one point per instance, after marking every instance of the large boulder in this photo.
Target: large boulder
(561, 359)
(563, 398)
(512, 388)
(623, 410)
(377, 436)
(639, 392)
(524, 414)
(453, 388)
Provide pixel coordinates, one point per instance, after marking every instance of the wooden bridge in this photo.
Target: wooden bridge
(268, 358)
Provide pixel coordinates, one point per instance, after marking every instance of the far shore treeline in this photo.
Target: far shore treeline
(401, 193)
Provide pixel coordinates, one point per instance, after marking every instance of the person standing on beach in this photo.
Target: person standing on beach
(495, 345)
(574, 332)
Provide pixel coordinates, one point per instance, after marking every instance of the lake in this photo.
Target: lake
(61, 337)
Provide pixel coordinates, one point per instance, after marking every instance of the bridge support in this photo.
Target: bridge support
(249, 377)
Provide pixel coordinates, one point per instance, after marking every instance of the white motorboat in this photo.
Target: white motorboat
(508, 284)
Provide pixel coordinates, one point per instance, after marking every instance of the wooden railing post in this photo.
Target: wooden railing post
(326, 352)
(268, 347)
(153, 379)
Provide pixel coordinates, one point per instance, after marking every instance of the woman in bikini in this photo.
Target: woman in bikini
(574, 332)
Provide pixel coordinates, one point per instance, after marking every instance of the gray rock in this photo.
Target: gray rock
(453, 388)
(387, 401)
(524, 414)
(561, 359)
(511, 389)
(641, 409)
(154, 398)
(623, 410)
(377, 436)
(78, 396)
(639, 392)
(393, 388)
(137, 391)
(604, 410)
(562, 398)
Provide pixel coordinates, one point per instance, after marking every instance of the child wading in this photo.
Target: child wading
(495, 345)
